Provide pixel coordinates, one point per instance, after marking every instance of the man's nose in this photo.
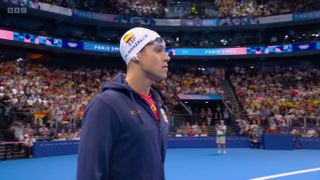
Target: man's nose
(167, 57)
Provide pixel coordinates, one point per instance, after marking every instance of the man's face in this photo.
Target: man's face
(154, 60)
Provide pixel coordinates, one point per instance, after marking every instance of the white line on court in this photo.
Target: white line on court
(286, 174)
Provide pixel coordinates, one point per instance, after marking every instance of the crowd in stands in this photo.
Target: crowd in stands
(141, 8)
(192, 130)
(293, 36)
(56, 97)
(28, 134)
(212, 115)
(230, 39)
(227, 8)
(191, 81)
(197, 125)
(23, 131)
(277, 100)
(281, 36)
(224, 8)
(256, 8)
(59, 95)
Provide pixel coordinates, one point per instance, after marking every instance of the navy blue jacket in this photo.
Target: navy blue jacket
(120, 137)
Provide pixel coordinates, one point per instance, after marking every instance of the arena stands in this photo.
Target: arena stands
(275, 100)
(279, 100)
(147, 8)
(224, 8)
(53, 97)
(227, 9)
(255, 8)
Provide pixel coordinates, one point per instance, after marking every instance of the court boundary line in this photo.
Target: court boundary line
(286, 174)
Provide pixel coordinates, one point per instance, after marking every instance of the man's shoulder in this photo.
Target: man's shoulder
(111, 94)
(109, 97)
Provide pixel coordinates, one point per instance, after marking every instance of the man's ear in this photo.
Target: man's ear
(135, 59)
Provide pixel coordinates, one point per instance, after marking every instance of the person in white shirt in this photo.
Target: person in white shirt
(312, 133)
(28, 142)
(196, 129)
(221, 137)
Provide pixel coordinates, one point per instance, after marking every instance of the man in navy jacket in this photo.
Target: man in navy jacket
(125, 128)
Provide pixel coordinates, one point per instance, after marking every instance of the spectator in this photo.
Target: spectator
(221, 130)
(62, 135)
(273, 129)
(204, 130)
(209, 116)
(53, 134)
(28, 144)
(17, 129)
(312, 133)
(196, 129)
(77, 135)
(69, 134)
(255, 143)
(179, 132)
(202, 116)
(44, 132)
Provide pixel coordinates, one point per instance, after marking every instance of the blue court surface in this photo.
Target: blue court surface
(188, 164)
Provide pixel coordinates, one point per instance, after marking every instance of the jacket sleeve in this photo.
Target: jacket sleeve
(99, 131)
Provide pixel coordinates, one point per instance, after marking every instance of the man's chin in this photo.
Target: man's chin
(161, 78)
(164, 77)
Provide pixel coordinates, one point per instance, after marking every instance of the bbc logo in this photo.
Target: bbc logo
(17, 10)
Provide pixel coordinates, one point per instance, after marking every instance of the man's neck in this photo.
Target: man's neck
(140, 85)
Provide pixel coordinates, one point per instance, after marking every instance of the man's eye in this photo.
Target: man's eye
(159, 49)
